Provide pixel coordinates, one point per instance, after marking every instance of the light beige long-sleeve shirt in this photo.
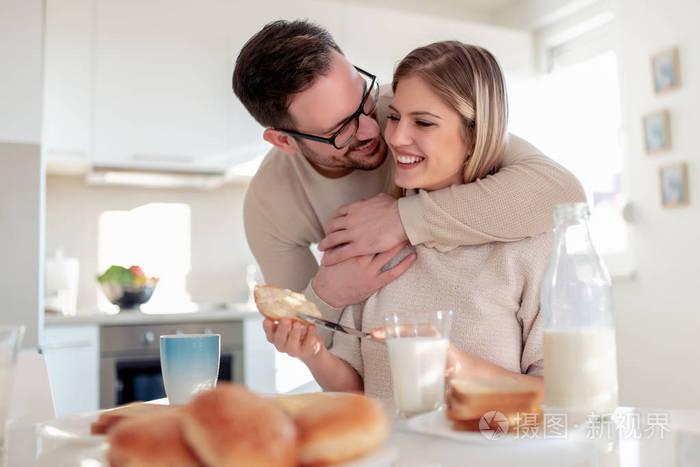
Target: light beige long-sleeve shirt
(288, 204)
(493, 291)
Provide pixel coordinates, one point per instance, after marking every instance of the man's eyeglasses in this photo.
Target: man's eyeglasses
(347, 131)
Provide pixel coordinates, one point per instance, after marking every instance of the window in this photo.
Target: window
(573, 115)
(156, 237)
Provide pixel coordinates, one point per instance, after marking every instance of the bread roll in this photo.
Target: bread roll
(338, 428)
(276, 303)
(110, 418)
(230, 426)
(150, 441)
(293, 403)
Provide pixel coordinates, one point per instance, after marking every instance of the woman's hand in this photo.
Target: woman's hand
(301, 341)
(460, 363)
(293, 338)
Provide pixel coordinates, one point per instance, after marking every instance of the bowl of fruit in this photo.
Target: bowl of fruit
(127, 288)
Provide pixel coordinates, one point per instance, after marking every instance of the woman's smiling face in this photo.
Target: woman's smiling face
(427, 137)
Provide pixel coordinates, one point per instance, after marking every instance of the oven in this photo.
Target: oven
(130, 358)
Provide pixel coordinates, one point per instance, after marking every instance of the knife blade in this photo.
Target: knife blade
(335, 327)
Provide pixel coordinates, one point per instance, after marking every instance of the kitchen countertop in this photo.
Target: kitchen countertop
(235, 312)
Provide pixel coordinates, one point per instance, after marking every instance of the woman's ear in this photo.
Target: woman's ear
(281, 140)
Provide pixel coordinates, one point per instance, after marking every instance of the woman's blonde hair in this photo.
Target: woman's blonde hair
(469, 79)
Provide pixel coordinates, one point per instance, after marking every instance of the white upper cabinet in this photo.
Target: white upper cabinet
(67, 81)
(162, 92)
(20, 70)
(144, 84)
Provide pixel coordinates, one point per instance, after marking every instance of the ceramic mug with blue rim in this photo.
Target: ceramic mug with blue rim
(189, 363)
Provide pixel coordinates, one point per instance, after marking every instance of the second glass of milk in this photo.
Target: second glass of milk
(417, 344)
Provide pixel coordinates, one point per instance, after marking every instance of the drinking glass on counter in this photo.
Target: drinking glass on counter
(189, 363)
(10, 340)
(417, 344)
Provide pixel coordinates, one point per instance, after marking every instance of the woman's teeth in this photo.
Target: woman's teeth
(409, 159)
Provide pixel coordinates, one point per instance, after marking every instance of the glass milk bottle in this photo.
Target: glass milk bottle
(580, 369)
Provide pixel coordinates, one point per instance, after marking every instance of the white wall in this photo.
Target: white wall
(478, 11)
(385, 36)
(218, 246)
(536, 14)
(666, 239)
(660, 305)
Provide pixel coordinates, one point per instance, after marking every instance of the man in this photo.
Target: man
(325, 116)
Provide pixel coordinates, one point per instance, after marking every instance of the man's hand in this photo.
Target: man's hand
(363, 228)
(357, 278)
(293, 338)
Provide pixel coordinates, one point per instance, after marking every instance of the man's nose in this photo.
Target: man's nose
(368, 128)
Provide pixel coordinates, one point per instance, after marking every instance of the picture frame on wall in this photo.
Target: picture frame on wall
(674, 185)
(665, 71)
(656, 129)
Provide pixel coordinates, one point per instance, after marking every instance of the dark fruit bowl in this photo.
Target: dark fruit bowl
(129, 297)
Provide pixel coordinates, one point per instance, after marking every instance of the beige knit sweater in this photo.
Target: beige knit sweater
(288, 204)
(493, 290)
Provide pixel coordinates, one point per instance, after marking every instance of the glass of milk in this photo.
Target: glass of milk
(417, 344)
(10, 339)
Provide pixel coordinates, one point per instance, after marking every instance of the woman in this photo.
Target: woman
(447, 125)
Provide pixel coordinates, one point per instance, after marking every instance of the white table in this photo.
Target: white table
(674, 441)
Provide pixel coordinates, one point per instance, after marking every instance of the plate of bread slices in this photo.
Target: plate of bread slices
(232, 426)
(484, 410)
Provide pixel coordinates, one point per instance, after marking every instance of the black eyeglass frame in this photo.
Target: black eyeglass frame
(355, 115)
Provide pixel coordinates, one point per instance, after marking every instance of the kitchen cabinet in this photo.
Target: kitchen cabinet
(71, 354)
(162, 92)
(67, 81)
(143, 85)
(21, 24)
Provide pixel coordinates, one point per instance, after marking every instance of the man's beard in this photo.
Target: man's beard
(346, 160)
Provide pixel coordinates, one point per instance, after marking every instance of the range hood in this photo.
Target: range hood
(159, 177)
(156, 177)
(163, 171)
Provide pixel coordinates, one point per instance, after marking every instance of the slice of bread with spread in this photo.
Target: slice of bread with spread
(276, 303)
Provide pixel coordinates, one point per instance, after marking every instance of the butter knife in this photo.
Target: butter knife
(335, 327)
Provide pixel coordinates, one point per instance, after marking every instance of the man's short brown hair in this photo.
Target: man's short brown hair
(281, 60)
